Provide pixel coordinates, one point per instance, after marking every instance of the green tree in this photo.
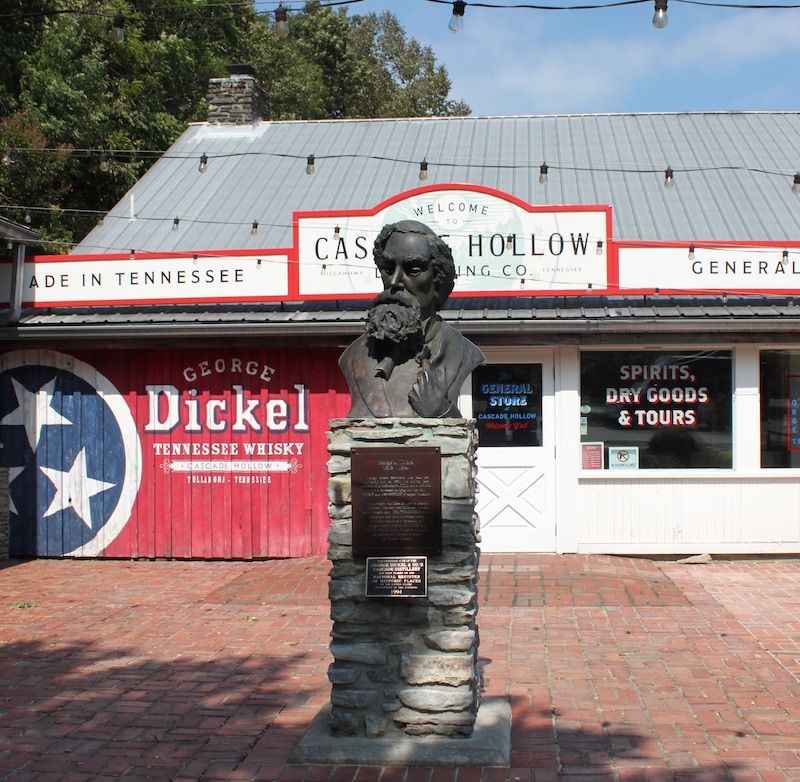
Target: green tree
(72, 89)
(333, 65)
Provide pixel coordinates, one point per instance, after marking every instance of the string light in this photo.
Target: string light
(7, 158)
(175, 223)
(104, 164)
(132, 255)
(691, 252)
(509, 241)
(543, 178)
(281, 21)
(423, 170)
(310, 165)
(669, 178)
(785, 256)
(599, 249)
(457, 19)
(796, 184)
(203, 167)
(118, 28)
(254, 229)
(337, 232)
(660, 20)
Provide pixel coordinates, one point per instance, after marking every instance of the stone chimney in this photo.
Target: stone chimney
(236, 99)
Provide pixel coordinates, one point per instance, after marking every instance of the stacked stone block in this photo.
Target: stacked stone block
(236, 100)
(406, 666)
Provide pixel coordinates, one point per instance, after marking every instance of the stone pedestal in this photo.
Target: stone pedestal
(406, 666)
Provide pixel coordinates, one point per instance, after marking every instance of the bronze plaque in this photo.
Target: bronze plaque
(397, 500)
(397, 577)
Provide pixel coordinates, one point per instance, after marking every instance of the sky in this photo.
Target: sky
(519, 61)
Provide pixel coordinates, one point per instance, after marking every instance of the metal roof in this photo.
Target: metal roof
(529, 319)
(733, 175)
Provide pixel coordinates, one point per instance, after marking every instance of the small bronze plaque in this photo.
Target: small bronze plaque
(397, 577)
(397, 501)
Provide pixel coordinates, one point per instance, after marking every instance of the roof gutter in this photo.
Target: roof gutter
(496, 328)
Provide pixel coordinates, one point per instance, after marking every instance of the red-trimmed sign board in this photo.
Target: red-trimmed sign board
(200, 453)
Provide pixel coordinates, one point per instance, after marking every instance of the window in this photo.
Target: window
(656, 409)
(780, 402)
(507, 404)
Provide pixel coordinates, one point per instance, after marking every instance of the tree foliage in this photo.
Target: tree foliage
(66, 86)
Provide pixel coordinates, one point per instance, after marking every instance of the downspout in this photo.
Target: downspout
(17, 273)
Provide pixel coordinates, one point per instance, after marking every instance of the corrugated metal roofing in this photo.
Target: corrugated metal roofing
(525, 317)
(733, 174)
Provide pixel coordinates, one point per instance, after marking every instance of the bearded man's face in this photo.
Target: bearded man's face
(396, 317)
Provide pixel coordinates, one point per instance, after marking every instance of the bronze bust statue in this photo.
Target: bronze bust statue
(409, 362)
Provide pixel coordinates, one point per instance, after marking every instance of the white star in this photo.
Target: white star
(13, 472)
(74, 489)
(34, 411)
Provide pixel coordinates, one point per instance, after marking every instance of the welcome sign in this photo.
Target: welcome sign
(500, 244)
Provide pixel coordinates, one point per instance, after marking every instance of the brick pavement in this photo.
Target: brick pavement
(616, 668)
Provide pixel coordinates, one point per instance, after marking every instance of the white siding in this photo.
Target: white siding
(689, 513)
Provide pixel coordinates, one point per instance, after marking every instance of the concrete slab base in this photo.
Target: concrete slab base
(489, 744)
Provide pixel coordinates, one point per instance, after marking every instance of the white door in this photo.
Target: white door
(512, 400)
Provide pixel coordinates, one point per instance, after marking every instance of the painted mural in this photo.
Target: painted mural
(197, 453)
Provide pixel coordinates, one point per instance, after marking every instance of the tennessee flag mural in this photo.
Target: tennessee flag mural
(200, 453)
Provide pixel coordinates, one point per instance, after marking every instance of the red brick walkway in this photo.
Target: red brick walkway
(616, 669)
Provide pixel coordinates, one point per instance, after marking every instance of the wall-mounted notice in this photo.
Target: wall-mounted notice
(623, 458)
(592, 456)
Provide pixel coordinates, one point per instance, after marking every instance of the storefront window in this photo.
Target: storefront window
(780, 408)
(507, 404)
(656, 409)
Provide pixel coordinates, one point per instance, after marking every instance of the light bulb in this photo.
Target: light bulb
(118, 28)
(310, 164)
(281, 23)
(203, 167)
(660, 20)
(795, 185)
(599, 249)
(7, 159)
(104, 165)
(543, 178)
(175, 223)
(785, 256)
(423, 171)
(457, 19)
(337, 232)
(691, 252)
(669, 178)
(509, 241)
(254, 229)
(132, 256)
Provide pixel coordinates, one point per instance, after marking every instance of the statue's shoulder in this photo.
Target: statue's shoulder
(352, 352)
(468, 352)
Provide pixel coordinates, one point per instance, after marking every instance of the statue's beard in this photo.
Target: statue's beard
(395, 317)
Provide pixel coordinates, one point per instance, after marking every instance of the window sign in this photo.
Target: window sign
(623, 458)
(507, 404)
(780, 408)
(660, 409)
(592, 456)
(792, 413)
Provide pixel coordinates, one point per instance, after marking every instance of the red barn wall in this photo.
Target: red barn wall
(188, 453)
